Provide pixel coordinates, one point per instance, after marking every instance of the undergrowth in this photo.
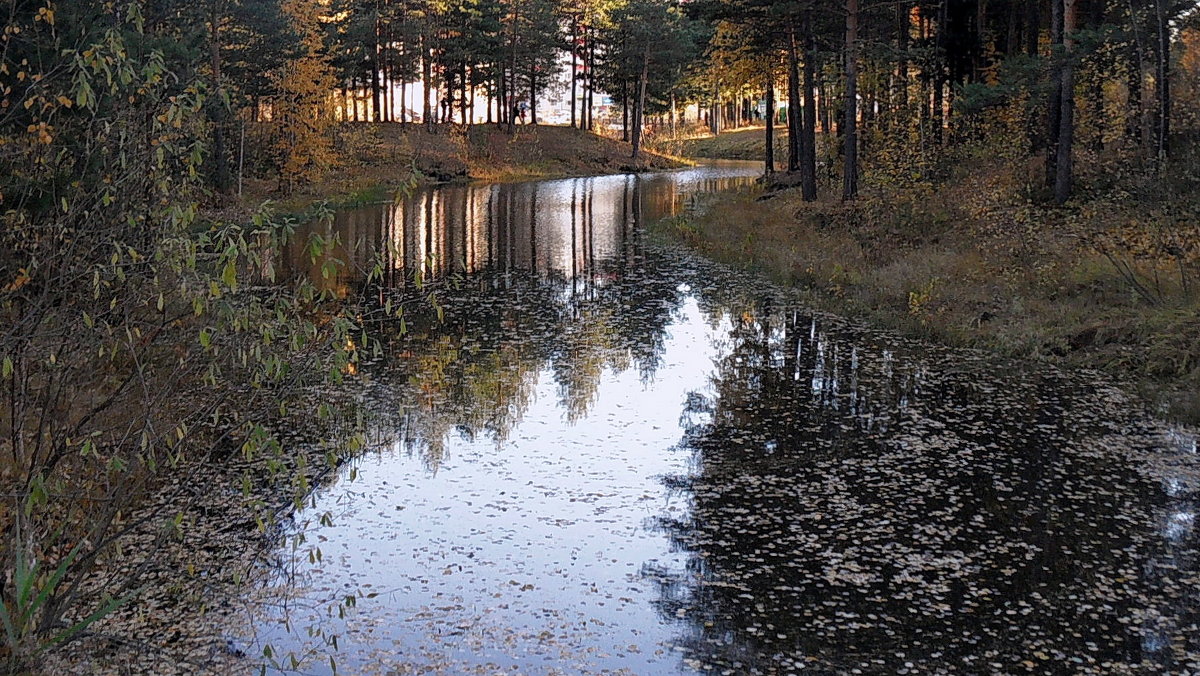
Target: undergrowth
(973, 259)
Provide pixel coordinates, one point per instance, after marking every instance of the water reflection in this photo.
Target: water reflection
(472, 367)
(852, 509)
(565, 229)
(598, 455)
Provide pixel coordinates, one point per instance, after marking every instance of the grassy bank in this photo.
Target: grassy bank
(973, 260)
(741, 144)
(372, 160)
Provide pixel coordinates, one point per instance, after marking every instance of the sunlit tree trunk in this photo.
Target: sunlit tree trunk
(574, 60)
(426, 83)
(501, 96)
(591, 97)
(793, 113)
(625, 111)
(673, 115)
(808, 122)
(640, 110)
(403, 100)
(769, 151)
(376, 90)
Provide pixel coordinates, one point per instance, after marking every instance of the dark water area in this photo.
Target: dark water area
(598, 454)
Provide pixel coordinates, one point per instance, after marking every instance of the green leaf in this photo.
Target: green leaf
(7, 368)
(229, 274)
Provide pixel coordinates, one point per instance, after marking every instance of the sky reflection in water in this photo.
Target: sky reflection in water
(612, 456)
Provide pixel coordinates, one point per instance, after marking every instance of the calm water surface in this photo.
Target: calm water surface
(592, 454)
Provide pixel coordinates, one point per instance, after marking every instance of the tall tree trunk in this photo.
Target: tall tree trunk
(1134, 125)
(502, 93)
(389, 97)
(426, 83)
(793, 91)
(592, 81)
(625, 111)
(640, 110)
(718, 122)
(1055, 107)
(902, 35)
(585, 80)
(1066, 132)
(222, 180)
(574, 59)
(808, 121)
(938, 113)
(1014, 23)
(512, 73)
(1033, 24)
(1162, 86)
(823, 88)
(533, 95)
(465, 104)
(769, 151)
(673, 115)
(376, 90)
(386, 67)
(850, 168)
(1096, 101)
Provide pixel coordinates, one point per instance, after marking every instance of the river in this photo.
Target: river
(594, 453)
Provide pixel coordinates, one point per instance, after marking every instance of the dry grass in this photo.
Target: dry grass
(973, 263)
(375, 159)
(738, 144)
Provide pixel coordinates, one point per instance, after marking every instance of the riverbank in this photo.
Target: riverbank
(375, 160)
(738, 144)
(973, 261)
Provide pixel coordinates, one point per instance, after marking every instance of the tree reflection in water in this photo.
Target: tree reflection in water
(838, 500)
(850, 508)
(499, 282)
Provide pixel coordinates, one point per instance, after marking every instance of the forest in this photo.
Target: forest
(1015, 175)
(275, 78)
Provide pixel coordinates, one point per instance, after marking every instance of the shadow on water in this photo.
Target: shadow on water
(593, 454)
(851, 507)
